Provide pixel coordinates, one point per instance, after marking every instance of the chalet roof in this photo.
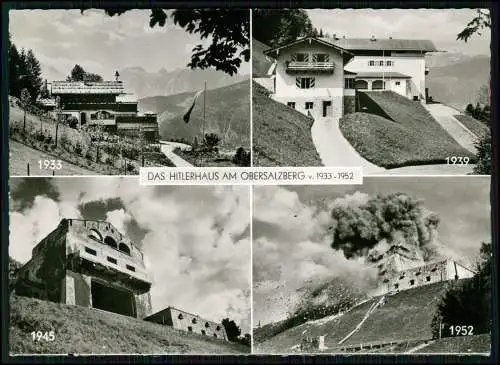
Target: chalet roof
(81, 87)
(183, 311)
(379, 75)
(388, 44)
(274, 51)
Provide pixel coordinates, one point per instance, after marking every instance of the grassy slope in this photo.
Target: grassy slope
(225, 106)
(260, 63)
(84, 331)
(21, 154)
(474, 125)
(281, 135)
(412, 137)
(464, 344)
(405, 316)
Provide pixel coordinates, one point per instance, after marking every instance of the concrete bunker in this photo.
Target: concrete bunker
(112, 299)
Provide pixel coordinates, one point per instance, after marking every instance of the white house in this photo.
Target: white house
(439, 271)
(320, 75)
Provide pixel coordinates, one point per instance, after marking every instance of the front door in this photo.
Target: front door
(83, 118)
(327, 108)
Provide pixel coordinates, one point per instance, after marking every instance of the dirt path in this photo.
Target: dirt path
(445, 116)
(168, 149)
(20, 155)
(335, 150)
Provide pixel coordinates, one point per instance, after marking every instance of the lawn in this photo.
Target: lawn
(474, 125)
(281, 135)
(462, 344)
(81, 330)
(410, 137)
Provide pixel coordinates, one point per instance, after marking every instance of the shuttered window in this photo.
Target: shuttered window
(305, 82)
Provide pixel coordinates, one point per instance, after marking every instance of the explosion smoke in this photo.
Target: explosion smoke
(384, 225)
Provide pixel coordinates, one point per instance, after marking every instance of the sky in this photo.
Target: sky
(103, 44)
(438, 25)
(291, 237)
(196, 240)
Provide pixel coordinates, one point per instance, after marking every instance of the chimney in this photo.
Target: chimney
(373, 38)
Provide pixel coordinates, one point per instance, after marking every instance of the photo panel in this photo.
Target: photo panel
(396, 91)
(104, 266)
(397, 265)
(105, 92)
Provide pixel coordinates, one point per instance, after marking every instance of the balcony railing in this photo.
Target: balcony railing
(296, 66)
(99, 253)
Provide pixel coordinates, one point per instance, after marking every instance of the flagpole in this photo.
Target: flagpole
(204, 108)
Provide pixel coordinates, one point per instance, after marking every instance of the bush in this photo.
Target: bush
(242, 158)
(483, 165)
(211, 140)
(78, 149)
(130, 167)
(109, 161)
(49, 139)
(88, 156)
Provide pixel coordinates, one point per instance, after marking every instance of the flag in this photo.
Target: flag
(188, 113)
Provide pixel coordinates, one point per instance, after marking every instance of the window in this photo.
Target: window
(304, 82)
(412, 282)
(396, 286)
(95, 235)
(207, 324)
(418, 273)
(180, 316)
(218, 328)
(380, 63)
(190, 329)
(300, 57)
(112, 260)
(349, 83)
(203, 332)
(309, 105)
(371, 63)
(389, 63)
(361, 84)
(402, 277)
(90, 251)
(398, 83)
(428, 278)
(131, 268)
(456, 277)
(434, 269)
(194, 320)
(321, 57)
(378, 85)
(291, 104)
(215, 335)
(124, 248)
(110, 242)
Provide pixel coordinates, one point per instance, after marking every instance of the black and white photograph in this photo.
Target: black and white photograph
(398, 265)
(396, 91)
(107, 91)
(104, 266)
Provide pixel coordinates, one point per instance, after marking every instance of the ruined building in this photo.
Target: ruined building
(409, 278)
(189, 322)
(91, 264)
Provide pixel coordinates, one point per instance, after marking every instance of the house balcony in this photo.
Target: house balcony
(319, 67)
(114, 262)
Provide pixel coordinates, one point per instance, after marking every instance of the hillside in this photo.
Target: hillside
(404, 316)
(227, 114)
(83, 330)
(457, 84)
(395, 131)
(260, 63)
(281, 135)
(163, 82)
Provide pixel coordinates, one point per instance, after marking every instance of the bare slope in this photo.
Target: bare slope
(404, 316)
(281, 135)
(227, 113)
(398, 132)
(84, 331)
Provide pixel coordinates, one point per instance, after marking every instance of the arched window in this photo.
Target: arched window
(378, 85)
(95, 235)
(124, 248)
(110, 242)
(180, 316)
(361, 84)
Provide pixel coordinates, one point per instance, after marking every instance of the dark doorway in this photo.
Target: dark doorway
(327, 106)
(83, 118)
(113, 300)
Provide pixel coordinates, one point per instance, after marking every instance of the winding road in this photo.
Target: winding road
(167, 148)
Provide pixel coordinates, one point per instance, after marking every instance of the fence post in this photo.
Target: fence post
(28, 168)
(53, 172)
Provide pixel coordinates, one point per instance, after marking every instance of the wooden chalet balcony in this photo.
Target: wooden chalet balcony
(297, 67)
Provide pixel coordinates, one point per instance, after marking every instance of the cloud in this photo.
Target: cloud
(195, 242)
